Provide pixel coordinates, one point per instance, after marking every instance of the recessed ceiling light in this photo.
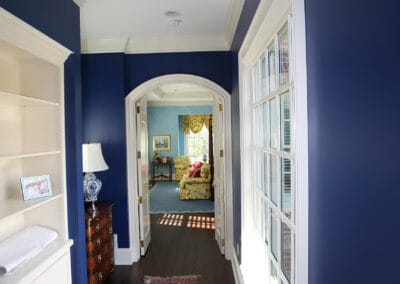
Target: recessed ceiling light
(172, 14)
(175, 22)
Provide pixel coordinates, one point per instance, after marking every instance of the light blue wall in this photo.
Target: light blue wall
(164, 120)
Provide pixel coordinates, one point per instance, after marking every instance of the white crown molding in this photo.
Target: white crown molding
(18, 33)
(181, 44)
(131, 46)
(107, 45)
(235, 9)
(178, 103)
(80, 3)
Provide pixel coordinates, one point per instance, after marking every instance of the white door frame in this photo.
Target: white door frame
(132, 254)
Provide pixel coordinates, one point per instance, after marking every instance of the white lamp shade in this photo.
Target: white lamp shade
(92, 158)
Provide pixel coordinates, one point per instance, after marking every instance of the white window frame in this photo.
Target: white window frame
(268, 20)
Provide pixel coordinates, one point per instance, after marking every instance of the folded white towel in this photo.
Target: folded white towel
(24, 245)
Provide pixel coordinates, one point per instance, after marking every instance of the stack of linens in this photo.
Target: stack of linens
(22, 246)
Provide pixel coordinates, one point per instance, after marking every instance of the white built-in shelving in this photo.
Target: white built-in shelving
(32, 144)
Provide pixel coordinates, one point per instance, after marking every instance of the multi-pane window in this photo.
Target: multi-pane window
(196, 145)
(274, 158)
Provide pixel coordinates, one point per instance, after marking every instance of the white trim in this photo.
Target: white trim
(153, 45)
(18, 33)
(80, 3)
(300, 89)
(130, 101)
(237, 273)
(104, 45)
(235, 9)
(179, 103)
(122, 256)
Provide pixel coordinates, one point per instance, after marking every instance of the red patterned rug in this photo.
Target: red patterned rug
(187, 279)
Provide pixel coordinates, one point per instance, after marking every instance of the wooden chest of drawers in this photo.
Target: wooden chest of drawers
(99, 242)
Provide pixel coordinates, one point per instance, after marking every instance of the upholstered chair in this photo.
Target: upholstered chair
(196, 187)
(181, 165)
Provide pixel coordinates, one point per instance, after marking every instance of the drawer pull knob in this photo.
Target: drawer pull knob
(97, 227)
(100, 276)
(110, 229)
(99, 258)
(98, 242)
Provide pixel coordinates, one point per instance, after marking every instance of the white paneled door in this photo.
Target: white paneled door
(219, 174)
(143, 176)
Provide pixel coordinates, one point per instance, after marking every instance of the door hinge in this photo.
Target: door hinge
(137, 109)
(222, 198)
(141, 243)
(140, 200)
(221, 153)
(223, 242)
(138, 155)
(221, 107)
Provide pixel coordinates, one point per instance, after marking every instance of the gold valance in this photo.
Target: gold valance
(195, 122)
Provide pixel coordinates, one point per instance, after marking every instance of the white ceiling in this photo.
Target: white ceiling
(179, 94)
(141, 26)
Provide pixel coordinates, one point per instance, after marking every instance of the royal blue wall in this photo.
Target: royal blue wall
(60, 21)
(165, 120)
(353, 103)
(104, 122)
(106, 80)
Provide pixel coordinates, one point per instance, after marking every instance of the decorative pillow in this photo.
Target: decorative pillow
(197, 165)
(191, 171)
(196, 173)
(205, 171)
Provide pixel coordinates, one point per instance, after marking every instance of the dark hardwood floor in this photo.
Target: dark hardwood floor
(181, 244)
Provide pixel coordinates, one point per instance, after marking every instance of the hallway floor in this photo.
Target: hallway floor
(181, 244)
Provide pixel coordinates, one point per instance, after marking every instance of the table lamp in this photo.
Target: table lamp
(92, 161)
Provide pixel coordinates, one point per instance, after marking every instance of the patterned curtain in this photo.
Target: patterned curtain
(195, 122)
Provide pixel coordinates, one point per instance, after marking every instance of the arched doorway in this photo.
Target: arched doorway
(127, 256)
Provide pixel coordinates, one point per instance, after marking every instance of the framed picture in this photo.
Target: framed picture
(36, 187)
(161, 142)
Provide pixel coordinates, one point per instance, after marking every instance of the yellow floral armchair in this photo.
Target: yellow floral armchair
(181, 165)
(196, 187)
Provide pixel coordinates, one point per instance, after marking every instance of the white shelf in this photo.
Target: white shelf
(35, 266)
(20, 100)
(12, 207)
(28, 155)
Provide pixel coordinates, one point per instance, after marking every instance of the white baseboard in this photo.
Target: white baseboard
(122, 256)
(237, 273)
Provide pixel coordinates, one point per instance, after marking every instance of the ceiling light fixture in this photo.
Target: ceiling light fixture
(175, 22)
(172, 14)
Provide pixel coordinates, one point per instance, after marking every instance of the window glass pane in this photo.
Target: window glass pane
(259, 209)
(271, 68)
(286, 251)
(274, 275)
(263, 77)
(274, 123)
(267, 224)
(196, 145)
(286, 127)
(275, 234)
(258, 169)
(266, 175)
(286, 183)
(257, 131)
(283, 56)
(274, 178)
(265, 123)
